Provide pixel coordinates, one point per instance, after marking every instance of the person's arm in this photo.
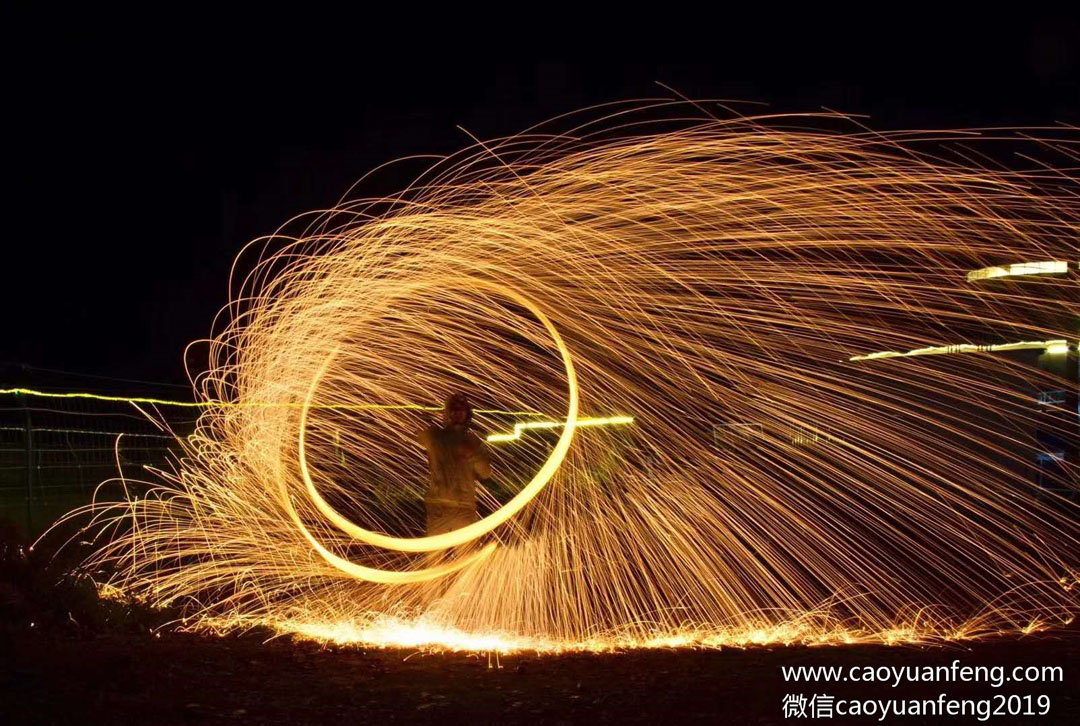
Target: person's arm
(424, 437)
(482, 463)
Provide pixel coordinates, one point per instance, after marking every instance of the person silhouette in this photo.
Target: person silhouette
(457, 460)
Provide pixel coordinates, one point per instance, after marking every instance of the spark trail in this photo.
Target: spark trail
(710, 279)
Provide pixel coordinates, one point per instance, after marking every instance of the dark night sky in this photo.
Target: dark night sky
(137, 170)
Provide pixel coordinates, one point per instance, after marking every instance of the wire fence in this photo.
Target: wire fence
(59, 450)
(56, 453)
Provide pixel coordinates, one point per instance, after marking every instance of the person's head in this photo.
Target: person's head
(457, 411)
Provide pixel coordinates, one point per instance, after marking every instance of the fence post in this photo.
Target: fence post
(29, 464)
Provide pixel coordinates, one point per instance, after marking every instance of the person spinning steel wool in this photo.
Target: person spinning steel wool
(457, 459)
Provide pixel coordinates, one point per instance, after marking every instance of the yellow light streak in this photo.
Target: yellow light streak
(534, 425)
(1054, 267)
(1051, 346)
(255, 404)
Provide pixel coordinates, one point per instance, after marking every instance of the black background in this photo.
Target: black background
(139, 161)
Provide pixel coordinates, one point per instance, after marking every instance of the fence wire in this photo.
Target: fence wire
(54, 454)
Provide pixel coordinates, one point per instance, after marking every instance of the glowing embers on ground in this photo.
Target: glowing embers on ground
(808, 629)
(416, 633)
(696, 276)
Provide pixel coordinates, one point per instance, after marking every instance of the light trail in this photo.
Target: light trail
(701, 276)
(256, 404)
(547, 425)
(1050, 346)
(486, 524)
(1019, 269)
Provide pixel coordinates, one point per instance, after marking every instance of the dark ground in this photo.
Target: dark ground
(67, 678)
(67, 657)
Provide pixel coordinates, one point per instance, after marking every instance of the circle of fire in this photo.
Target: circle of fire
(459, 536)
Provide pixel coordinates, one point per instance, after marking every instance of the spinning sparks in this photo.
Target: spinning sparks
(709, 282)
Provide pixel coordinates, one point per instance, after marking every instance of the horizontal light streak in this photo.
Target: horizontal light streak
(252, 404)
(534, 425)
(1051, 346)
(1019, 269)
